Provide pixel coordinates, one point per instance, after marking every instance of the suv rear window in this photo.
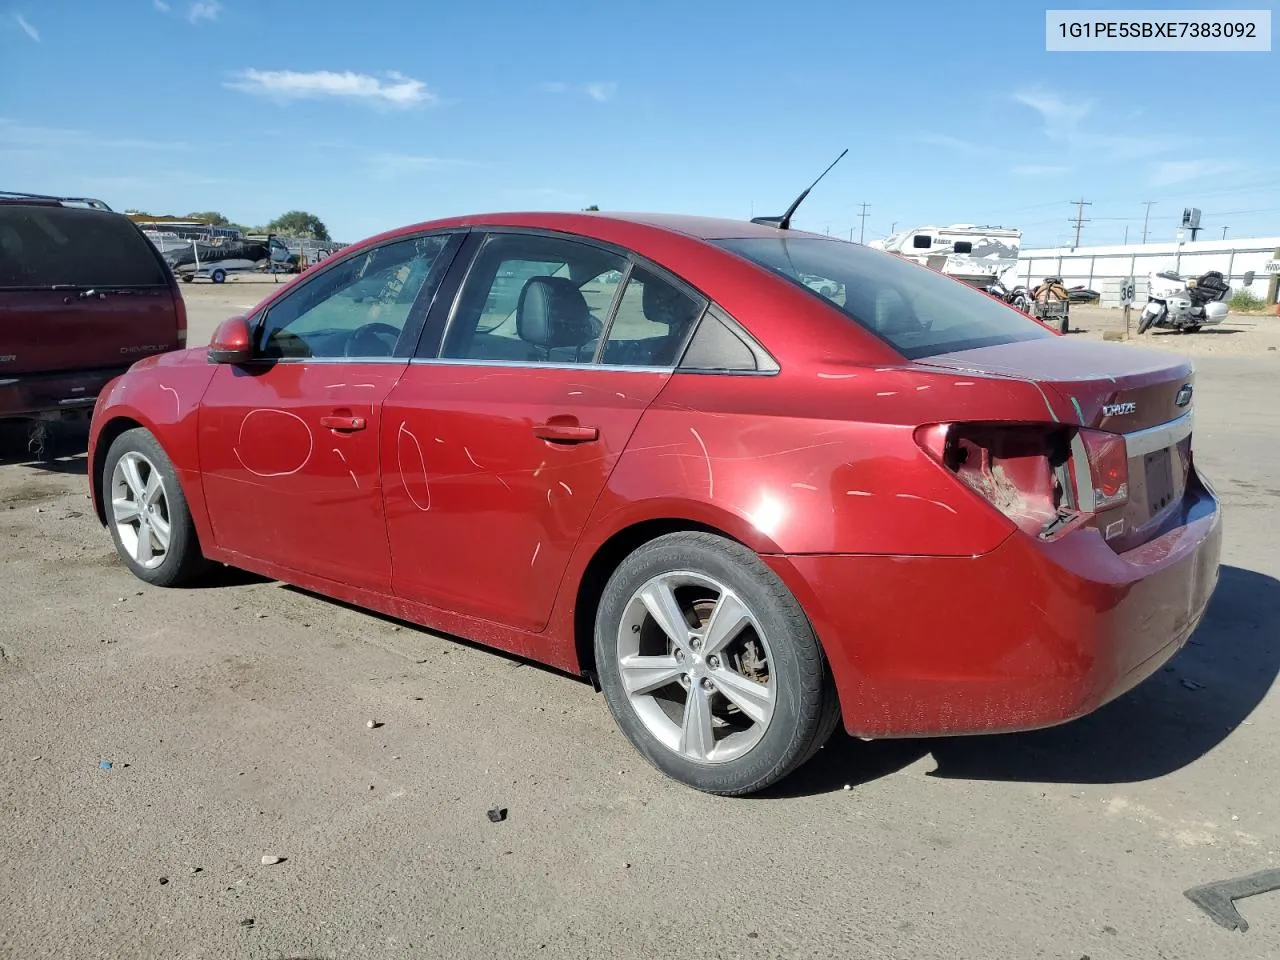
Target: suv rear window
(920, 313)
(47, 246)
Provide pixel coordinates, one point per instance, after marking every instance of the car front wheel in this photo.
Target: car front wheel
(709, 665)
(147, 512)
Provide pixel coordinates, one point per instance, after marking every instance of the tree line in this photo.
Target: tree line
(295, 223)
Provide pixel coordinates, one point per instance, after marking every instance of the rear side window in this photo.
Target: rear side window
(42, 247)
(919, 312)
(651, 323)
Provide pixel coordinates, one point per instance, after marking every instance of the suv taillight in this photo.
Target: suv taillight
(181, 306)
(1027, 471)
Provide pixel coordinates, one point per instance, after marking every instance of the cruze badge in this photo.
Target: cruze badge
(1184, 395)
(1119, 409)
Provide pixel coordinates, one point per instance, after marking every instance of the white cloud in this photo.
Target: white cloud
(598, 90)
(204, 10)
(389, 165)
(27, 28)
(955, 144)
(1039, 170)
(160, 5)
(1177, 171)
(15, 135)
(1063, 121)
(397, 90)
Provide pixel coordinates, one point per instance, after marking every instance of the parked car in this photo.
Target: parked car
(748, 512)
(83, 294)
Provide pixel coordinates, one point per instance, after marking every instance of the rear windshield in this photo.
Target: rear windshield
(919, 312)
(43, 247)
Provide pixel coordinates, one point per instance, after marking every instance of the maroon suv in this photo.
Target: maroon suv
(83, 294)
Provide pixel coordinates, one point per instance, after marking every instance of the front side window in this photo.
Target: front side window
(919, 312)
(357, 309)
(533, 299)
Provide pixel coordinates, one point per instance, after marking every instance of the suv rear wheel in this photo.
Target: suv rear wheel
(147, 512)
(710, 667)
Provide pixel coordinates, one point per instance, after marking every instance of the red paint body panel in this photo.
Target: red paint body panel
(938, 613)
(285, 488)
(483, 514)
(161, 393)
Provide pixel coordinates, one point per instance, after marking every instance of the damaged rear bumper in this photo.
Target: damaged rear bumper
(1029, 635)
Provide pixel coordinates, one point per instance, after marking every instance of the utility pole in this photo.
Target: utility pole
(1224, 232)
(862, 228)
(1145, 217)
(893, 228)
(1079, 219)
(1126, 234)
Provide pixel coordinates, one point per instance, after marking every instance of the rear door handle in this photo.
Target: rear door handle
(565, 433)
(342, 423)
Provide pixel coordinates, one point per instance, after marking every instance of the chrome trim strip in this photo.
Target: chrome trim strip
(327, 360)
(536, 364)
(1142, 442)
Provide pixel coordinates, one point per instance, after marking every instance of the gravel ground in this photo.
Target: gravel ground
(235, 719)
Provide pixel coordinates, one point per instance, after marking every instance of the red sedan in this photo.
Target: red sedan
(652, 451)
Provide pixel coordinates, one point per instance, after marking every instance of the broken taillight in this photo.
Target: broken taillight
(1019, 468)
(1027, 471)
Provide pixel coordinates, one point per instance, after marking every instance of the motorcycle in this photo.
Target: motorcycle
(1182, 303)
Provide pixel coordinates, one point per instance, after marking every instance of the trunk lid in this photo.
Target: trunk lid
(1143, 394)
(81, 290)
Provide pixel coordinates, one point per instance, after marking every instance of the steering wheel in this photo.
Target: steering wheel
(361, 342)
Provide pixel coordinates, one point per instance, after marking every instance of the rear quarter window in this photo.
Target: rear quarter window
(42, 247)
(919, 312)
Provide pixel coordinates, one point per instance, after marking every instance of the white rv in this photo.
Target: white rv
(966, 251)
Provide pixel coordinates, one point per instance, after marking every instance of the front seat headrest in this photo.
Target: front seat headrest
(552, 312)
(664, 304)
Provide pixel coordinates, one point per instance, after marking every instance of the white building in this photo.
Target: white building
(1104, 268)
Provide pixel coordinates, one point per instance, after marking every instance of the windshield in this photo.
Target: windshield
(919, 312)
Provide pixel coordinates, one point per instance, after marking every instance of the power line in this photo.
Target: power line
(1145, 218)
(1079, 219)
(862, 227)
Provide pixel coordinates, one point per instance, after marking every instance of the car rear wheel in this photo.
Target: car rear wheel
(709, 665)
(147, 512)
(218, 276)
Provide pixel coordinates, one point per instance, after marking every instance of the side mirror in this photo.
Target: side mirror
(231, 343)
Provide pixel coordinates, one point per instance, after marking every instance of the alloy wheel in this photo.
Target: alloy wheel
(696, 667)
(140, 510)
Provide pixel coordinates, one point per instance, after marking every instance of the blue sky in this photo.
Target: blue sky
(387, 112)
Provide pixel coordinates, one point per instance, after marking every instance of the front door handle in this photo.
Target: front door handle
(565, 433)
(342, 423)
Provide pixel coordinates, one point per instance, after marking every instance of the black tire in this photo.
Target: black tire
(1192, 328)
(1144, 322)
(218, 276)
(805, 708)
(183, 561)
(1064, 325)
(187, 278)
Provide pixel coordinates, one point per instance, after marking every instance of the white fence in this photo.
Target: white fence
(1103, 268)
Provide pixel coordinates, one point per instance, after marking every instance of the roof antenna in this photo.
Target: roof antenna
(784, 222)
